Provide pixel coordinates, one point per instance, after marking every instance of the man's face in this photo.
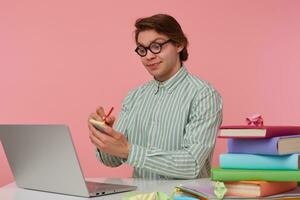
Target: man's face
(164, 64)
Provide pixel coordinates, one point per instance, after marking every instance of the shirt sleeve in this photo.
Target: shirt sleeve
(120, 126)
(198, 144)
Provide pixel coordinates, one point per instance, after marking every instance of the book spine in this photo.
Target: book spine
(272, 188)
(266, 146)
(219, 174)
(252, 161)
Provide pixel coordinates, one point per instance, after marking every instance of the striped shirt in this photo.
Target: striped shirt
(171, 127)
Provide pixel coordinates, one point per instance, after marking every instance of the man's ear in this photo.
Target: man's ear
(179, 47)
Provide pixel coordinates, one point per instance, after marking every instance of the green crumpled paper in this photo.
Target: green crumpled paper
(146, 196)
(220, 189)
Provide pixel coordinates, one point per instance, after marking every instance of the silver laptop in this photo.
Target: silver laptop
(43, 157)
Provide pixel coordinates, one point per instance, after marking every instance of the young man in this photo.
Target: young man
(167, 127)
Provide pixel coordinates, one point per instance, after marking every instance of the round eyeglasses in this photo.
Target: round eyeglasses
(154, 47)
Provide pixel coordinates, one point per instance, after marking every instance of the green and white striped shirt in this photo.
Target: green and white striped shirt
(171, 127)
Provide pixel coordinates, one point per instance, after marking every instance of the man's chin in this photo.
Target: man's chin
(153, 72)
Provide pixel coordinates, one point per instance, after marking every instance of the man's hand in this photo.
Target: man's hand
(110, 141)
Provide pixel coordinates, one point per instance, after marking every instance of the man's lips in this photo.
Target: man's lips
(153, 64)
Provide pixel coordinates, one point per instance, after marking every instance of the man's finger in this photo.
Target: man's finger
(110, 120)
(95, 117)
(109, 131)
(113, 133)
(98, 134)
(98, 143)
(100, 112)
(94, 131)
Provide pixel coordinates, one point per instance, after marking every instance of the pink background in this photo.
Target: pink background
(60, 59)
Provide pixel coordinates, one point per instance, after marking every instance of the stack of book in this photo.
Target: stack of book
(261, 161)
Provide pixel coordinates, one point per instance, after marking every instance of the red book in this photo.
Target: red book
(257, 131)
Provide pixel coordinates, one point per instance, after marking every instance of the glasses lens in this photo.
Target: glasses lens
(141, 51)
(155, 47)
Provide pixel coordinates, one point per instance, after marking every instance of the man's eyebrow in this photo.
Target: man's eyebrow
(159, 38)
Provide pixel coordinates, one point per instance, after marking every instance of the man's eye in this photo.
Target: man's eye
(155, 46)
(141, 49)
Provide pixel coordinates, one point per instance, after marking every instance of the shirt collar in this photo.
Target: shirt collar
(171, 83)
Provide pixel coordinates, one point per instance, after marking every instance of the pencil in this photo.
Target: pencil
(106, 116)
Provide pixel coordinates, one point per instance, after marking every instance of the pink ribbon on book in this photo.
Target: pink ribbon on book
(255, 120)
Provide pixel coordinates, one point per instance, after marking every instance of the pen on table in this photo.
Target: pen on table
(106, 116)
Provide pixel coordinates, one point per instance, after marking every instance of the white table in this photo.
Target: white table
(12, 192)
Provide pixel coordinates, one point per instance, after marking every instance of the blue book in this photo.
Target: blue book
(271, 146)
(264, 162)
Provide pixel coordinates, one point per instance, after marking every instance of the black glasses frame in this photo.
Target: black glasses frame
(149, 48)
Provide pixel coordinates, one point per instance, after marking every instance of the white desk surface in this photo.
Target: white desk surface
(12, 192)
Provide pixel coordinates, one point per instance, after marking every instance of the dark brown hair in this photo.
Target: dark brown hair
(167, 25)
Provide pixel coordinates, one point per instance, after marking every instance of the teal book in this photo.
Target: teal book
(253, 161)
(218, 174)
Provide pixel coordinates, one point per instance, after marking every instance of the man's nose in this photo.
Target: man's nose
(150, 55)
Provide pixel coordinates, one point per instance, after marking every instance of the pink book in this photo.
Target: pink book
(257, 131)
(205, 190)
(257, 188)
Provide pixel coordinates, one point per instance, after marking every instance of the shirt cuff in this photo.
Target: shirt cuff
(136, 156)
